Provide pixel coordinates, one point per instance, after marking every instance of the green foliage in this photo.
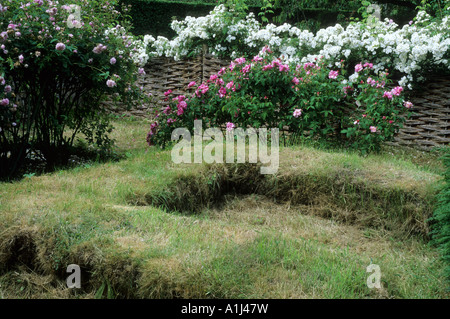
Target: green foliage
(239, 8)
(295, 10)
(266, 9)
(436, 8)
(441, 216)
(154, 17)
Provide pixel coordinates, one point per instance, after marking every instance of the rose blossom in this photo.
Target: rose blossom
(222, 92)
(358, 67)
(111, 83)
(182, 104)
(297, 112)
(333, 74)
(408, 104)
(387, 95)
(60, 46)
(191, 84)
(240, 60)
(257, 59)
(99, 48)
(397, 90)
(230, 85)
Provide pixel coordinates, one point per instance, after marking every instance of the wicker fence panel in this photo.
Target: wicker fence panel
(162, 74)
(429, 126)
(210, 65)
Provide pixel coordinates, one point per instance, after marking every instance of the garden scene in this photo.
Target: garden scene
(232, 149)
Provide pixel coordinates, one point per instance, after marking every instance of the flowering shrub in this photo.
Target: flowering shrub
(308, 99)
(57, 60)
(412, 50)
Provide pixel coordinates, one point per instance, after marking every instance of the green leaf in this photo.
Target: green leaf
(99, 293)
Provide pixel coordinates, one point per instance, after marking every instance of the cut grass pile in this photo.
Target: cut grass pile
(147, 228)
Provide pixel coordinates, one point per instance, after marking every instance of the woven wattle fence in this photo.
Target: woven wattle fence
(162, 74)
(428, 127)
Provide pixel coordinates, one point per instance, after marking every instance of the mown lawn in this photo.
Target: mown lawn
(144, 227)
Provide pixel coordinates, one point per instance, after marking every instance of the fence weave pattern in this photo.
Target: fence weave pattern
(428, 127)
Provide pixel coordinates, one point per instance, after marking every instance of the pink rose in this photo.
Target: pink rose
(408, 104)
(60, 46)
(333, 74)
(111, 83)
(246, 68)
(397, 90)
(222, 92)
(4, 102)
(240, 60)
(191, 84)
(387, 95)
(297, 113)
(257, 59)
(283, 68)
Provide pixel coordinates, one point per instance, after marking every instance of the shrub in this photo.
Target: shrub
(309, 99)
(57, 62)
(415, 51)
(441, 217)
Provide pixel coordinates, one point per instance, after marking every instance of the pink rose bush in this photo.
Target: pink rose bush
(68, 66)
(309, 99)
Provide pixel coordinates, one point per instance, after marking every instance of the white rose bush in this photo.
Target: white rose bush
(412, 50)
(58, 60)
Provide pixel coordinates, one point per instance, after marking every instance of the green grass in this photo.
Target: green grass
(310, 231)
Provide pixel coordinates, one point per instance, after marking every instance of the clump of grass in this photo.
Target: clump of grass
(337, 193)
(193, 191)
